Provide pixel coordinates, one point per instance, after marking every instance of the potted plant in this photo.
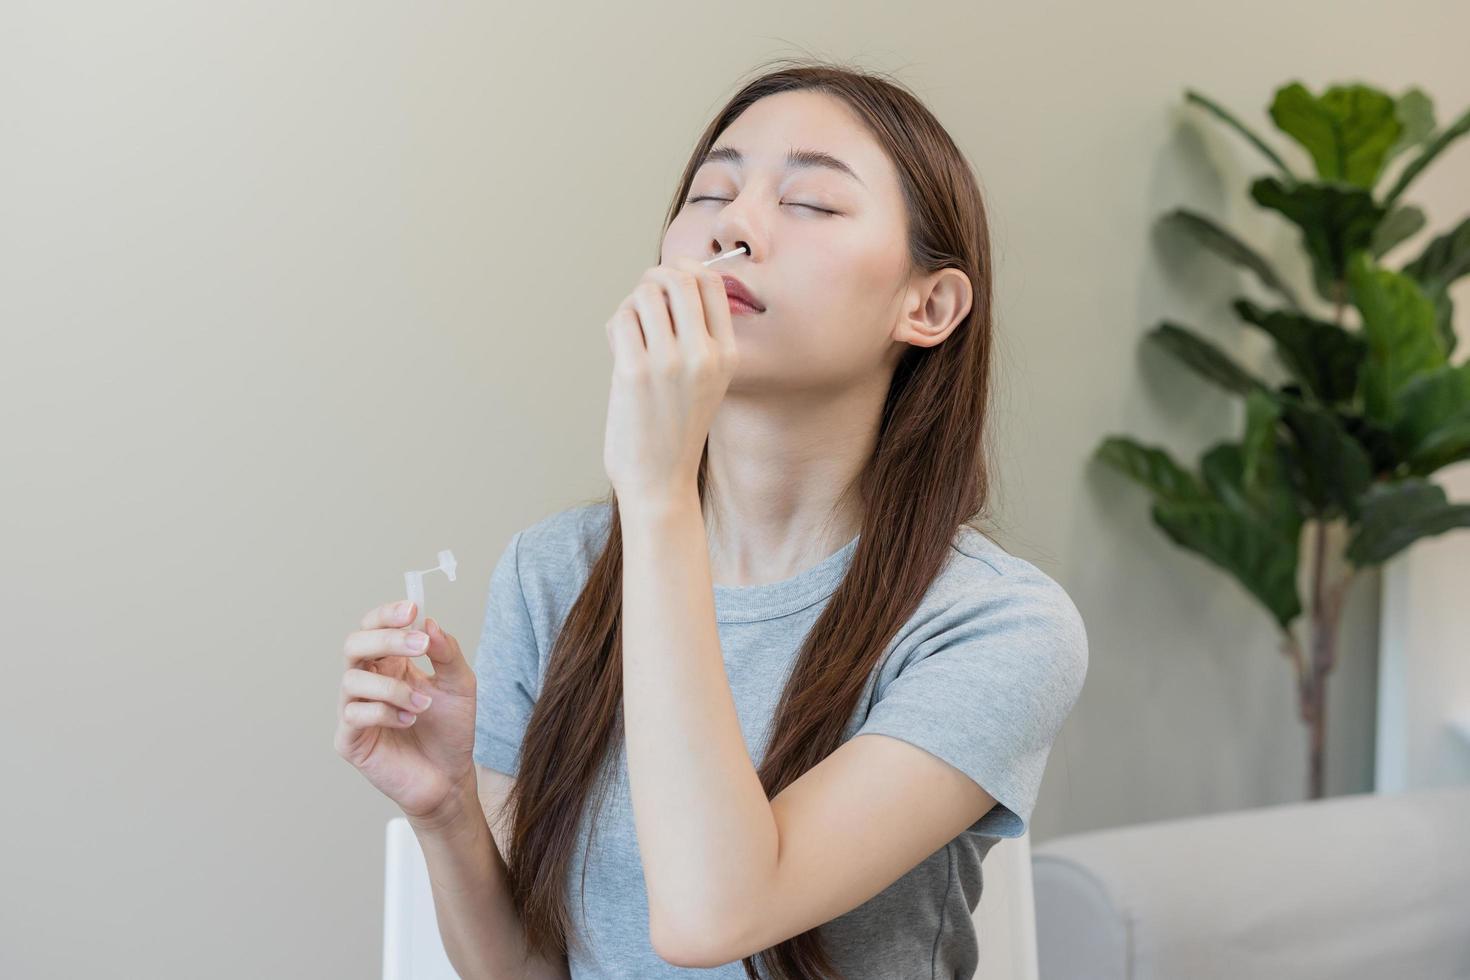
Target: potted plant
(1342, 450)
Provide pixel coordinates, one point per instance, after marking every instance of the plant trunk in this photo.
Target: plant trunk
(1316, 741)
(1326, 613)
(1314, 669)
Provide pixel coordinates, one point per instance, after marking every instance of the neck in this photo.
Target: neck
(779, 472)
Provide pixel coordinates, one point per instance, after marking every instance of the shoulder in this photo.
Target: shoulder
(1003, 608)
(985, 674)
(573, 535)
(554, 556)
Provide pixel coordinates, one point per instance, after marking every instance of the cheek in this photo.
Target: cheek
(853, 287)
(683, 238)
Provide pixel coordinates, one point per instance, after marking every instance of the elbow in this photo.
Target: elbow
(693, 942)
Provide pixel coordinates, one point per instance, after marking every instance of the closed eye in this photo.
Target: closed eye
(797, 204)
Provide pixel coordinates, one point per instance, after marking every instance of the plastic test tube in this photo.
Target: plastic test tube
(414, 583)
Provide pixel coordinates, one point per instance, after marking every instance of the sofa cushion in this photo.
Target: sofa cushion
(1361, 886)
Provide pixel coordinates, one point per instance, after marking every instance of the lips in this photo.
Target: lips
(736, 290)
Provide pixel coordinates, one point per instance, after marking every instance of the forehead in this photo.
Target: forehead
(770, 128)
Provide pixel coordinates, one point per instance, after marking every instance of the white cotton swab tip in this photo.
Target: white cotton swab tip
(725, 255)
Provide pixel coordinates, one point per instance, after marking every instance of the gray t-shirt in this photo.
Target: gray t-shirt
(982, 676)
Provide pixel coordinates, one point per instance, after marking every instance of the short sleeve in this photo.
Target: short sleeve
(988, 689)
(507, 676)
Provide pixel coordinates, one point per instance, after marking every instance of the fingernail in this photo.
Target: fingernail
(400, 610)
(418, 641)
(406, 717)
(421, 701)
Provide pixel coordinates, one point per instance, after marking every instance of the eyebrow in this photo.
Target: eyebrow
(795, 158)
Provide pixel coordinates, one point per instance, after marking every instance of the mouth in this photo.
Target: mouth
(742, 300)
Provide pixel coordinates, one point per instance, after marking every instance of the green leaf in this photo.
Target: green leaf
(1264, 562)
(1444, 314)
(1348, 131)
(1224, 243)
(1153, 467)
(1385, 455)
(1432, 149)
(1333, 469)
(1223, 470)
(1242, 129)
(1324, 357)
(1264, 481)
(1398, 225)
(1335, 220)
(1443, 260)
(1205, 358)
(1395, 515)
(1258, 449)
(1399, 324)
(1415, 112)
(1433, 418)
(1450, 443)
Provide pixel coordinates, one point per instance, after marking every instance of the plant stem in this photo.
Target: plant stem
(1326, 614)
(1315, 694)
(1326, 618)
(1291, 648)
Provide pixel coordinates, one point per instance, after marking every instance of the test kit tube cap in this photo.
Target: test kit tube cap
(414, 583)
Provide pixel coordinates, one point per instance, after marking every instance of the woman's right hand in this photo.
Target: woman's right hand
(417, 754)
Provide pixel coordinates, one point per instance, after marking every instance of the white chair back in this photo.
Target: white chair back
(1005, 919)
(412, 949)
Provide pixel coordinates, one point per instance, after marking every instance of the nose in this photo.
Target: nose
(733, 228)
(720, 248)
(728, 254)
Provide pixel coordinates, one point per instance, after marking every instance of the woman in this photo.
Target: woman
(766, 706)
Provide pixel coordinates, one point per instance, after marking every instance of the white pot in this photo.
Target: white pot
(1423, 737)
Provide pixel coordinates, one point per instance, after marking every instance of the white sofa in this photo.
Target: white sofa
(1360, 887)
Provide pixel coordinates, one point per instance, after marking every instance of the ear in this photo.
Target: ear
(935, 306)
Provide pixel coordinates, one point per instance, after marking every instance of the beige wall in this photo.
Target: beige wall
(295, 294)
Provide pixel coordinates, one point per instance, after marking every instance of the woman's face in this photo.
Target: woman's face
(832, 284)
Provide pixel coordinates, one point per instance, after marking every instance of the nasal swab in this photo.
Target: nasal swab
(414, 581)
(725, 255)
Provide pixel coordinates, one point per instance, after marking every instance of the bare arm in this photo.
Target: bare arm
(728, 872)
(706, 831)
(478, 923)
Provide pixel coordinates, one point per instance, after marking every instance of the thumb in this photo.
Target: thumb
(449, 662)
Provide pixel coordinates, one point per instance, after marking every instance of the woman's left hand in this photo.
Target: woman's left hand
(673, 349)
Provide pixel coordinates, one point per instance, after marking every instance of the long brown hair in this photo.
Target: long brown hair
(927, 476)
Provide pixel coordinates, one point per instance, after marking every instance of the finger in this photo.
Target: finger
(363, 646)
(716, 302)
(625, 337)
(390, 614)
(365, 686)
(685, 297)
(443, 650)
(449, 638)
(652, 307)
(375, 714)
